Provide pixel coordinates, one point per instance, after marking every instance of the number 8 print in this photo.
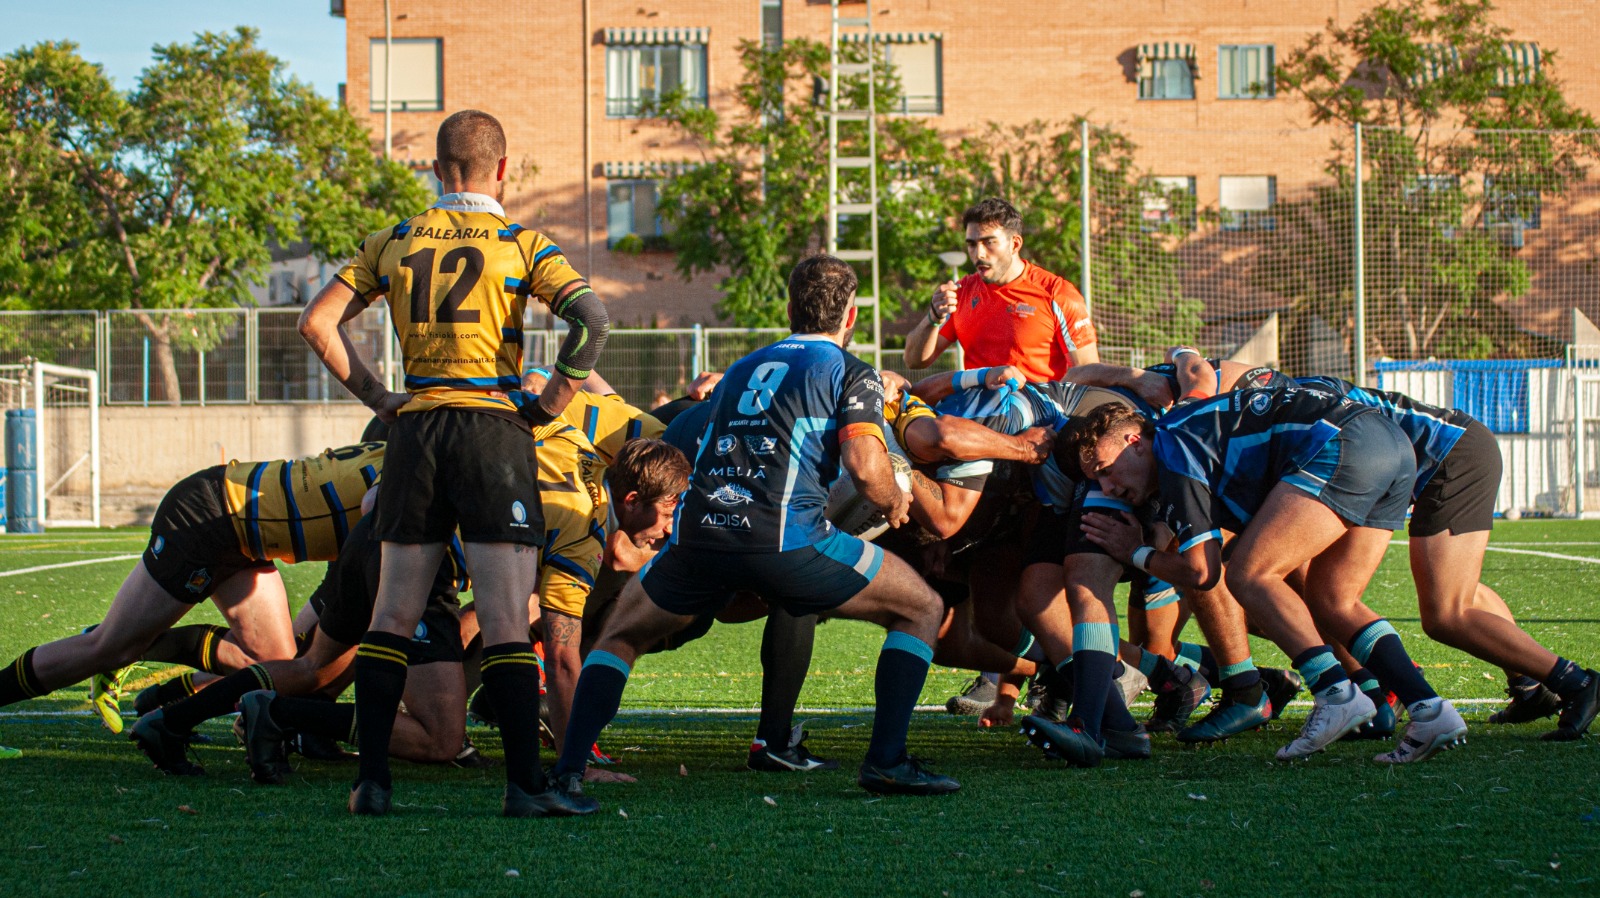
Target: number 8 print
(763, 383)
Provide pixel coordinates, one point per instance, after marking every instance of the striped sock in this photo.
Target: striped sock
(380, 681)
(1094, 657)
(215, 700)
(1319, 668)
(1377, 646)
(594, 703)
(19, 682)
(511, 678)
(902, 669)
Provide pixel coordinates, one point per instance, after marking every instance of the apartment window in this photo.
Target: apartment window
(1244, 72)
(1521, 65)
(642, 64)
(1166, 71)
(418, 74)
(1168, 200)
(1510, 209)
(1246, 202)
(631, 212)
(917, 59)
(772, 24)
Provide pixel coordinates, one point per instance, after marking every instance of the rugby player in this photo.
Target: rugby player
(457, 278)
(796, 411)
(216, 535)
(1304, 477)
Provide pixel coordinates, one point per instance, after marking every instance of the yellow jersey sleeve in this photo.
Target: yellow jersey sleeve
(548, 268)
(608, 422)
(361, 273)
(900, 414)
(572, 495)
(300, 509)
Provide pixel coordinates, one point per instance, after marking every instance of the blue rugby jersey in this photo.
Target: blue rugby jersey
(1433, 431)
(771, 446)
(685, 430)
(1218, 458)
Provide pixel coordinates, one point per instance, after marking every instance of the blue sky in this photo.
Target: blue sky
(118, 34)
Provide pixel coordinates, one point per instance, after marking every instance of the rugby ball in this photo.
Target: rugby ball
(853, 514)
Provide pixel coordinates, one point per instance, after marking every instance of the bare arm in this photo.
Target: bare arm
(1085, 355)
(322, 327)
(867, 461)
(1198, 568)
(942, 508)
(950, 438)
(1196, 378)
(923, 344)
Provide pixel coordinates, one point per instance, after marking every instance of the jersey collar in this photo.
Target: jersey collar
(469, 202)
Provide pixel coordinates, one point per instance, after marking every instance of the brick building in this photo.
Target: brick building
(1188, 80)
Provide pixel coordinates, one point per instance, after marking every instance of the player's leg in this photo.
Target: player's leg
(431, 727)
(562, 662)
(787, 640)
(1245, 704)
(256, 607)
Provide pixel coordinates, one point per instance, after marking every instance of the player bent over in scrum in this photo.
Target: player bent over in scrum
(786, 418)
(215, 536)
(1302, 476)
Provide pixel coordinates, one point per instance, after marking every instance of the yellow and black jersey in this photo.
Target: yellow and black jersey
(573, 495)
(300, 509)
(458, 283)
(900, 413)
(608, 422)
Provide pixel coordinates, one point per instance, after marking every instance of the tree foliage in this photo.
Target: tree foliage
(1462, 143)
(169, 197)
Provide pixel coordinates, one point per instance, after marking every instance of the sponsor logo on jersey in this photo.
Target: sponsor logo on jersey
(1260, 403)
(199, 579)
(760, 445)
(855, 404)
(725, 443)
(736, 471)
(725, 521)
(451, 233)
(519, 514)
(732, 495)
(421, 634)
(1022, 310)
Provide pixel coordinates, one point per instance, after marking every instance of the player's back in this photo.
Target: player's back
(771, 446)
(1432, 430)
(300, 509)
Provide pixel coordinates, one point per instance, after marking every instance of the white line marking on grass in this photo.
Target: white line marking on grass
(1556, 555)
(50, 567)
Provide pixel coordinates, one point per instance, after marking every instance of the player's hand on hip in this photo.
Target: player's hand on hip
(388, 406)
(944, 300)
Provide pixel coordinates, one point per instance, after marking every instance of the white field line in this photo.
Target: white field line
(50, 567)
(1556, 555)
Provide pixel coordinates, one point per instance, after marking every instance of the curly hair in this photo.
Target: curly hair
(654, 469)
(993, 212)
(1085, 433)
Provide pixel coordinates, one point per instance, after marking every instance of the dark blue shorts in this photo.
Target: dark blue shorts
(809, 580)
(1364, 474)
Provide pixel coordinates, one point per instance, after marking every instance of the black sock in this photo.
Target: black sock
(1094, 657)
(1566, 677)
(594, 703)
(380, 681)
(1319, 668)
(315, 716)
(18, 682)
(1522, 683)
(215, 700)
(1116, 715)
(902, 669)
(176, 689)
(511, 678)
(1377, 646)
(1367, 682)
(192, 646)
(302, 641)
(786, 645)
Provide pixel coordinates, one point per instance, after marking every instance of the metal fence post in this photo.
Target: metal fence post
(699, 352)
(1087, 287)
(1359, 273)
(252, 354)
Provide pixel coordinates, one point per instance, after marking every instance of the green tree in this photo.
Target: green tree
(1463, 139)
(168, 197)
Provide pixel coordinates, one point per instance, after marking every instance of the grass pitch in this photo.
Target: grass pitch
(1506, 813)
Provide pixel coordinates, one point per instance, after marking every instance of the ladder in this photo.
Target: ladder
(856, 27)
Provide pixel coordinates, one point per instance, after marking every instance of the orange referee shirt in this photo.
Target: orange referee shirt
(1032, 323)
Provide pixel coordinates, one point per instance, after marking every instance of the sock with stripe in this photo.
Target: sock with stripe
(1094, 658)
(786, 646)
(176, 689)
(511, 678)
(333, 720)
(1028, 648)
(1566, 678)
(19, 682)
(1367, 682)
(215, 700)
(1241, 681)
(1377, 646)
(192, 646)
(380, 681)
(902, 669)
(1199, 657)
(594, 703)
(1319, 668)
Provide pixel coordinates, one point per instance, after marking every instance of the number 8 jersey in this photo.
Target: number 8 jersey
(771, 446)
(458, 278)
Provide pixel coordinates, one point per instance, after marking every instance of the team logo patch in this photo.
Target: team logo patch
(519, 514)
(421, 635)
(731, 495)
(198, 581)
(157, 544)
(760, 445)
(1022, 310)
(1260, 402)
(726, 443)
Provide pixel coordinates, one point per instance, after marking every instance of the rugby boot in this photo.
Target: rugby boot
(1129, 745)
(1335, 711)
(1282, 686)
(1132, 683)
(105, 694)
(469, 758)
(1528, 705)
(368, 799)
(1228, 718)
(1382, 724)
(1176, 700)
(1434, 725)
(480, 710)
(1578, 710)
(795, 758)
(909, 777)
(1049, 695)
(166, 749)
(266, 745)
(562, 797)
(978, 695)
(1063, 741)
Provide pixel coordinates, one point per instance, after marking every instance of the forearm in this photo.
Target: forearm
(922, 344)
(1191, 570)
(322, 327)
(588, 325)
(934, 387)
(867, 462)
(1101, 374)
(963, 440)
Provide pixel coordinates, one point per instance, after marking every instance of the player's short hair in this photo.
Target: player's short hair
(993, 212)
(470, 146)
(821, 289)
(654, 469)
(1075, 443)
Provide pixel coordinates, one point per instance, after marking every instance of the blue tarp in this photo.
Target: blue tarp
(1495, 391)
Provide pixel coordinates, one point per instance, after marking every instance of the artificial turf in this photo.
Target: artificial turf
(1505, 813)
